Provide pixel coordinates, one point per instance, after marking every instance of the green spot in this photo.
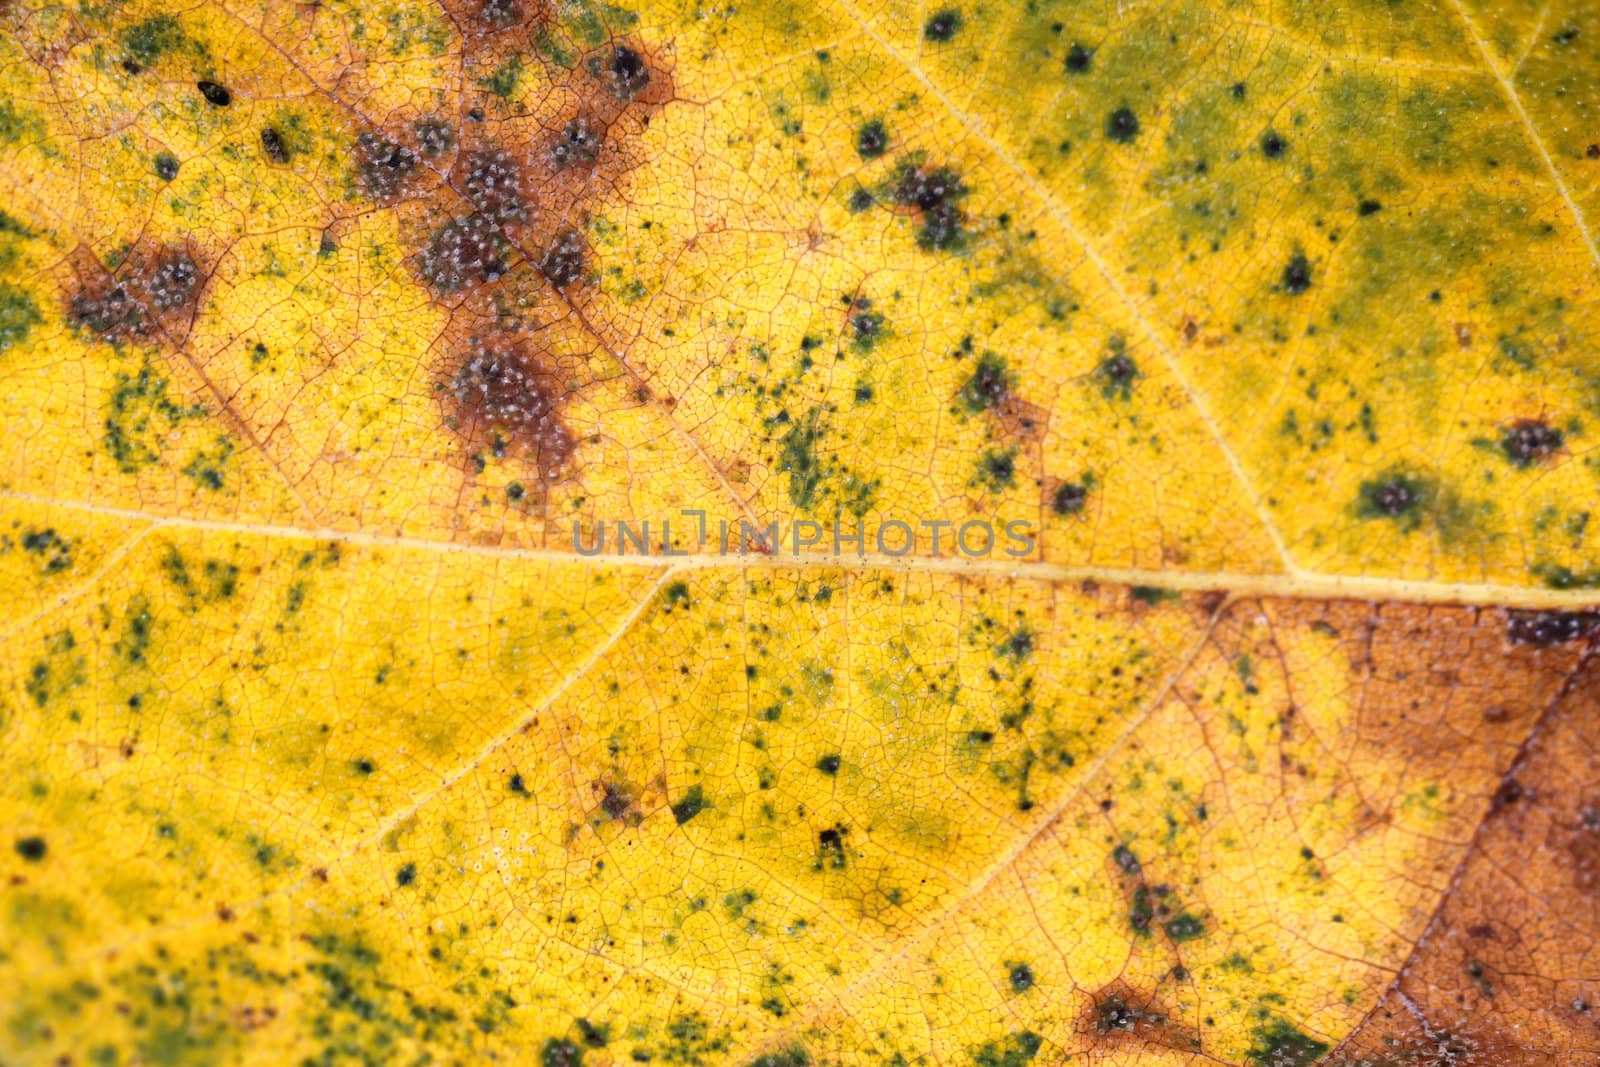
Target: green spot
(990, 384)
(140, 415)
(205, 469)
(151, 39)
(1184, 928)
(793, 1056)
(872, 140)
(1278, 1043)
(18, 315)
(1122, 126)
(17, 125)
(136, 625)
(1397, 496)
(1297, 274)
(943, 26)
(692, 803)
(54, 551)
(1014, 1050)
(997, 469)
(797, 457)
(559, 1052)
(1021, 978)
(503, 82)
(678, 593)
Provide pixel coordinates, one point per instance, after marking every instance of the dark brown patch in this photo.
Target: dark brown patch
(1528, 441)
(384, 165)
(1544, 629)
(151, 294)
(463, 251)
(578, 144)
(476, 18)
(625, 71)
(1119, 1015)
(493, 182)
(562, 262)
(618, 802)
(501, 395)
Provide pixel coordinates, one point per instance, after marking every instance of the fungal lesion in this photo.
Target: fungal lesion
(152, 291)
(501, 228)
(505, 395)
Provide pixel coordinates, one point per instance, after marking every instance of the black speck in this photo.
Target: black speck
(943, 26)
(1122, 125)
(517, 785)
(860, 200)
(1273, 145)
(1078, 59)
(216, 95)
(1297, 275)
(272, 144)
(1368, 207)
(31, 849)
(1021, 978)
(829, 764)
(166, 166)
(406, 875)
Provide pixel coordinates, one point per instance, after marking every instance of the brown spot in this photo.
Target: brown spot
(1463, 335)
(476, 18)
(493, 182)
(562, 262)
(618, 802)
(503, 395)
(1119, 1015)
(463, 251)
(384, 164)
(152, 294)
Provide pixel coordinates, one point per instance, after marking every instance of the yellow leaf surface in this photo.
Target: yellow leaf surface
(781, 534)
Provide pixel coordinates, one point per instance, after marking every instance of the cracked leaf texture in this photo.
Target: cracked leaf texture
(334, 335)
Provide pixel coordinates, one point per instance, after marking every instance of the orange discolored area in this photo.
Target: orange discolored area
(1508, 971)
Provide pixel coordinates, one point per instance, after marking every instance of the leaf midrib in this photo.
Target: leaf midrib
(1299, 584)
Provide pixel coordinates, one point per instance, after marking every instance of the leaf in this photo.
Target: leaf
(1119, 579)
